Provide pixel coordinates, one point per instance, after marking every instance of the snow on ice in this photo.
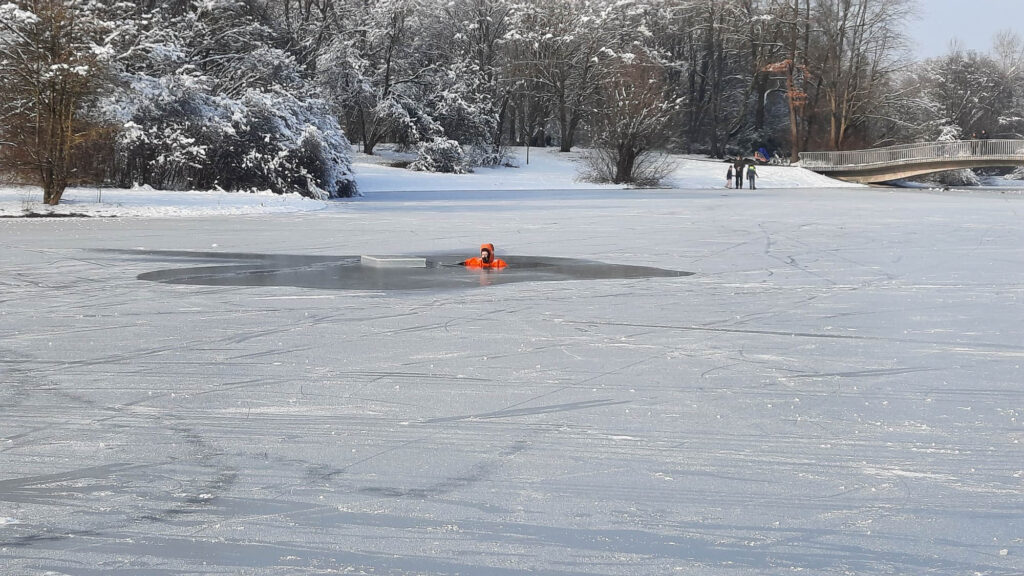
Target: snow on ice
(836, 390)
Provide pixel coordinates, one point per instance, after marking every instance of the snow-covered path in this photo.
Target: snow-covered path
(836, 390)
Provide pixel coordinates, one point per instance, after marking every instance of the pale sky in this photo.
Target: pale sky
(973, 22)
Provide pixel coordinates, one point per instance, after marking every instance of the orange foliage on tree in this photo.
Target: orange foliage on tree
(797, 97)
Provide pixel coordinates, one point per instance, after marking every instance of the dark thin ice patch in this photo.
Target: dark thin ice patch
(347, 273)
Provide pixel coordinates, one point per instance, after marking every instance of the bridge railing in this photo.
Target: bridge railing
(914, 153)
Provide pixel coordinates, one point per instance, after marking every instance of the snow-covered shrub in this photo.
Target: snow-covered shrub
(952, 178)
(950, 133)
(208, 101)
(1017, 174)
(465, 114)
(263, 140)
(441, 155)
(487, 155)
(292, 145)
(955, 178)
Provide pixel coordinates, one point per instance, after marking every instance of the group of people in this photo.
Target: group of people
(735, 174)
(977, 146)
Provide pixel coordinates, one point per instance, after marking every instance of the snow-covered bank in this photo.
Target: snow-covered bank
(547, 170)
(146, 202)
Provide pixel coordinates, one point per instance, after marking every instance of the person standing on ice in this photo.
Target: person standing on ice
(728, 178)
(752, 176)
(738, 166)
(485, 260)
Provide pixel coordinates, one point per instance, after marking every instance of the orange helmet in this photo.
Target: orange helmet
(488, 246)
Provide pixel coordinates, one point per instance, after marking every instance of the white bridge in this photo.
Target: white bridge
(906, 160)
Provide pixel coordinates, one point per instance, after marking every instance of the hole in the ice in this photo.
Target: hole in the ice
(392, 272)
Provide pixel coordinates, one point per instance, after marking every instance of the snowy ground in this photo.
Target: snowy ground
(546, 169)
(17, 201)
(837, 390)
(549, 169)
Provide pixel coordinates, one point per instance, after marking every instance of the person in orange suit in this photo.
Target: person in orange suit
(486, 259)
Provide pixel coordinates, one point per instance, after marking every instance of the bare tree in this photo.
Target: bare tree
(715, 89)
(860, 45)
(629, 123)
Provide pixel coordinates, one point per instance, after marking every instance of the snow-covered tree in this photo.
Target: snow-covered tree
(968, 90)
(470, 84)
(966, 87)
(207, 100)
(53, 57)
(557, 49)
(417, 73)
(258, 93)
(373, 68)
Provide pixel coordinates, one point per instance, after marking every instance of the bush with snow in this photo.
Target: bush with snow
(207, 101)
(955, 178)
(465, 113)
(441, 155)
(1017, 174)
(262, 141)
(952, 178)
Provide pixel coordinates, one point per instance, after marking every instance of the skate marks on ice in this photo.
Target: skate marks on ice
(441, 272)
(513, 413)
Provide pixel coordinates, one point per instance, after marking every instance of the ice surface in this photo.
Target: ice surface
(837, 390)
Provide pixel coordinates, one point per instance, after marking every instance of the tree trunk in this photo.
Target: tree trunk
(370, 132)
(364, 132)
(624, 163)
(58, 117)
(760, 90)
(794, 133)
(570, 139)
(500, 127)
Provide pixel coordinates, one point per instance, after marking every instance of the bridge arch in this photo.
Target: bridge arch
(906, 160)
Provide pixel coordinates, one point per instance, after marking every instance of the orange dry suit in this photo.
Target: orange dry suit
(479, 263)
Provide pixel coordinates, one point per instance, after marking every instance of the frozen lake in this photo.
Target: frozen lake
(837, 389)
